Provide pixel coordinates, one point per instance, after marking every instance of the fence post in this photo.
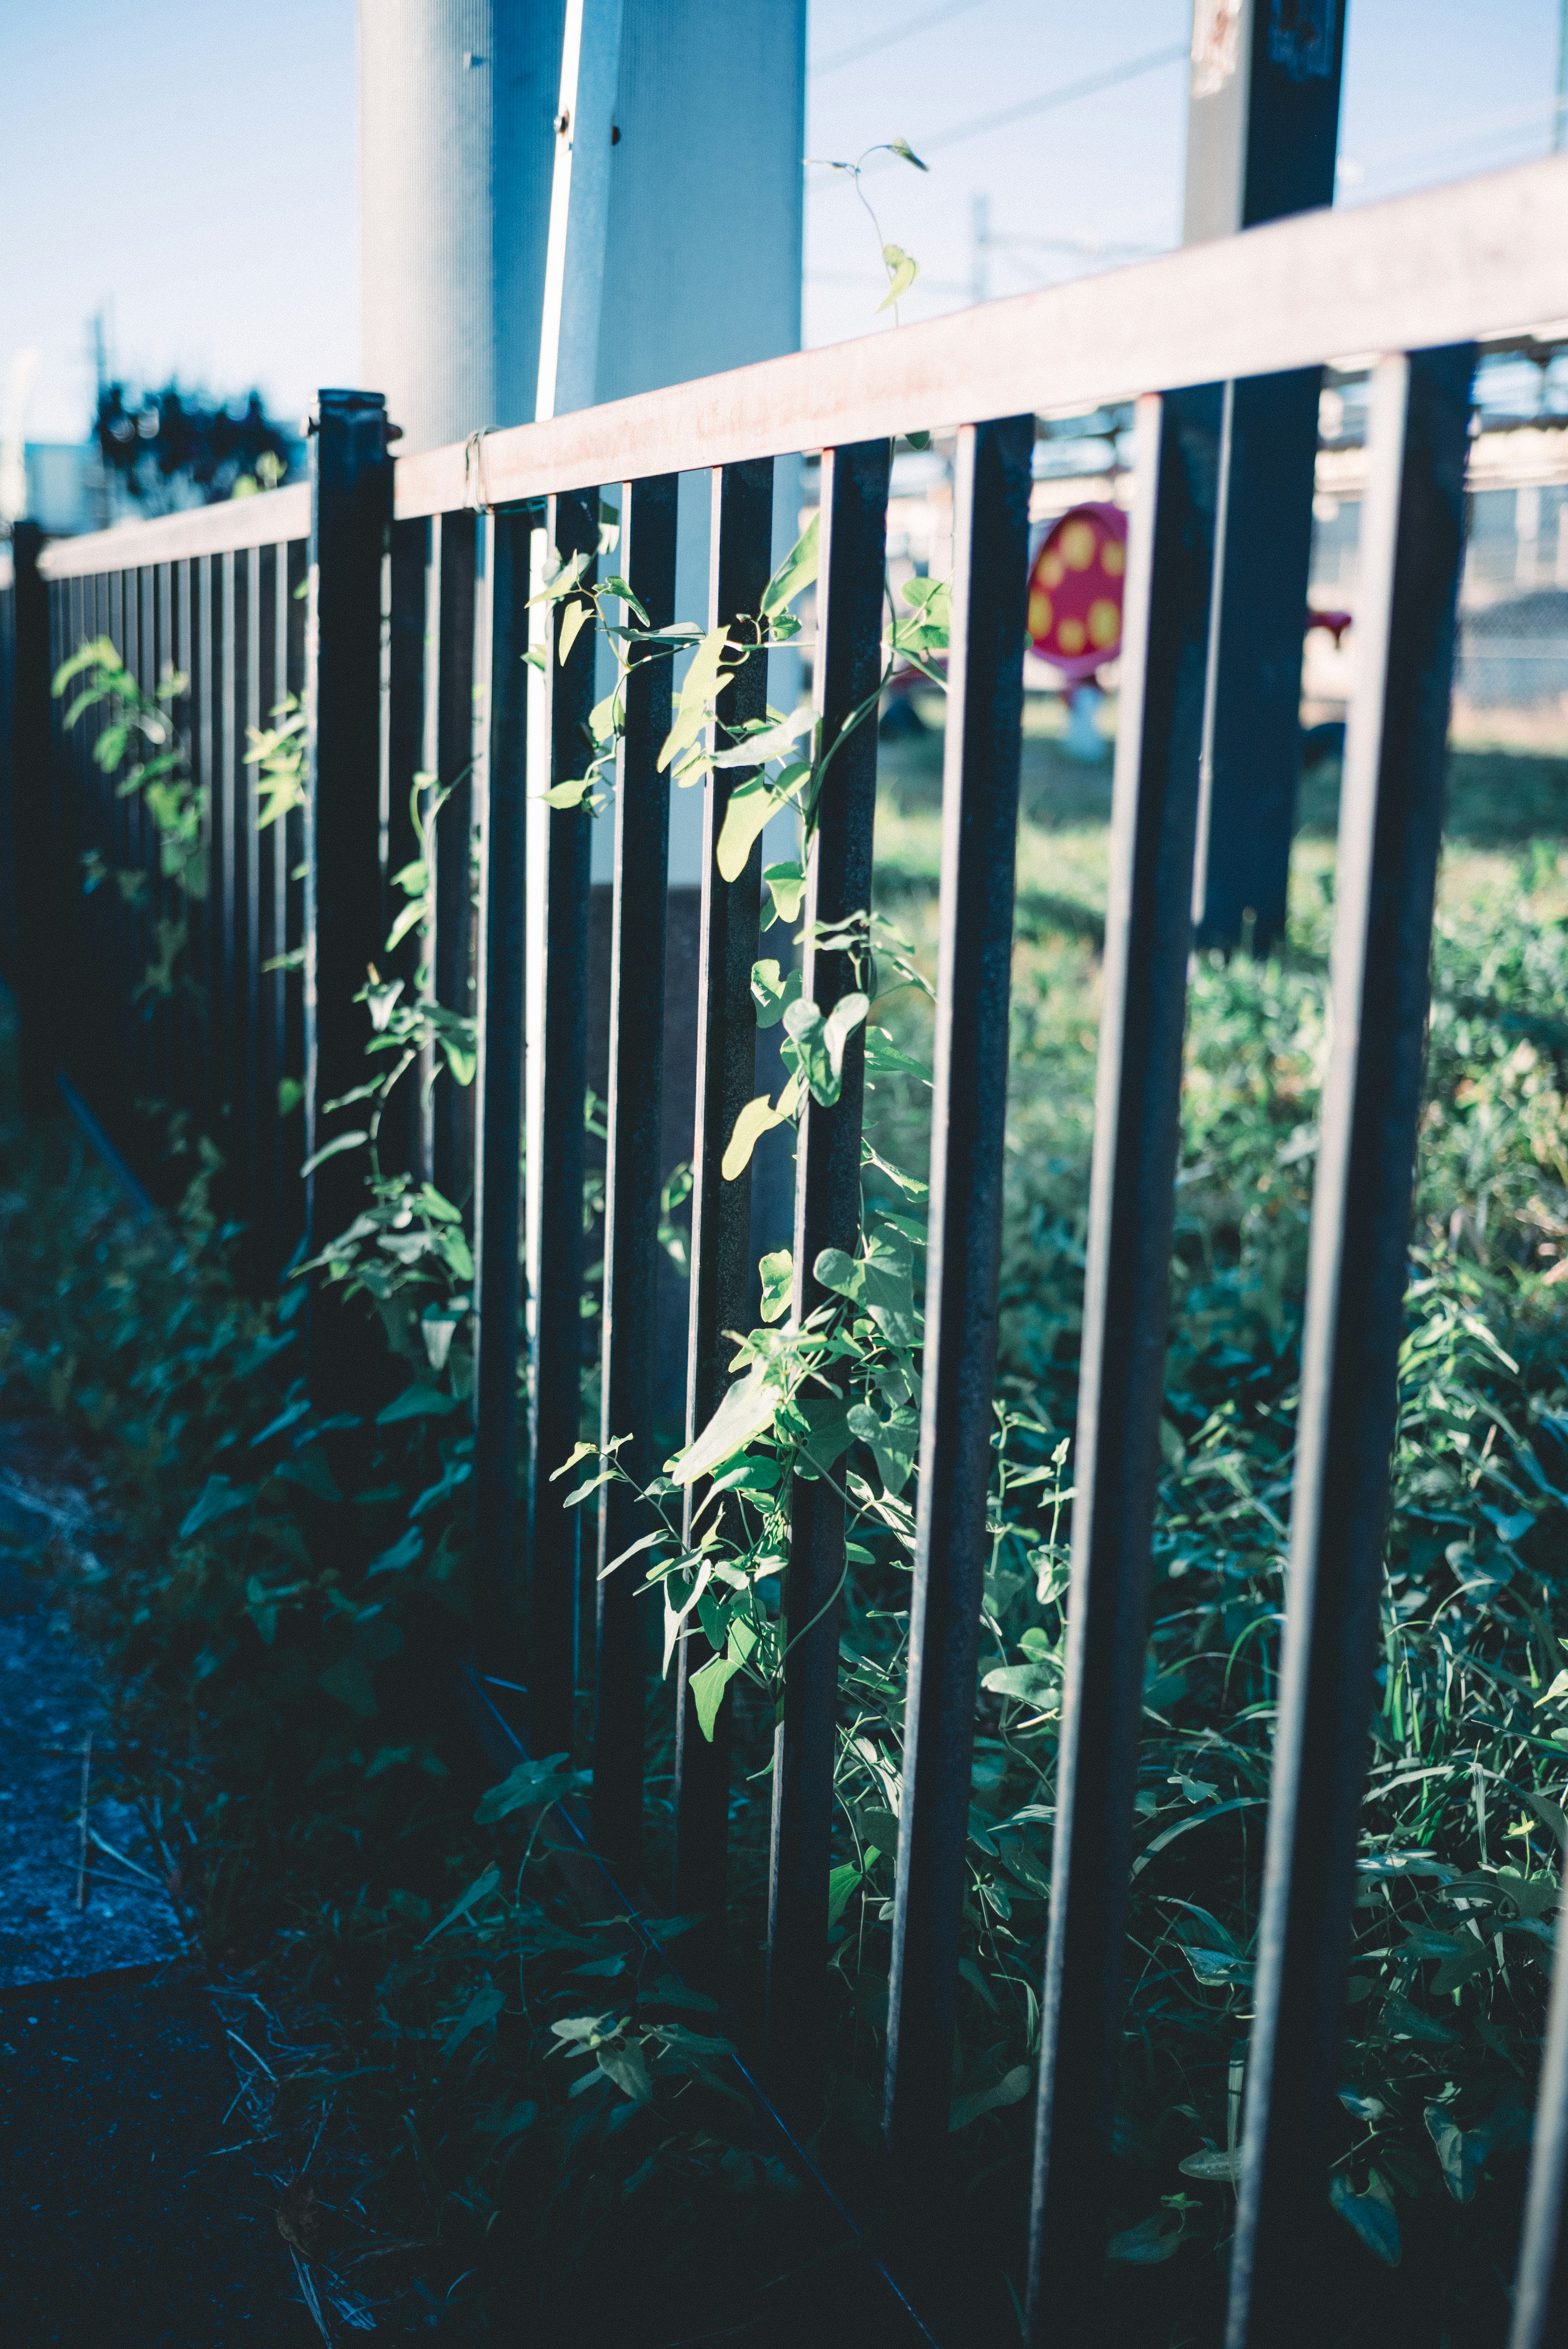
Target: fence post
(558, 1081)
(1263, 136)
(1127, 1281)
(849, 593)
(498, 1199)
(1390, 829)
(35, 848)
(740, 553)
(350, 514)
(632, 1171)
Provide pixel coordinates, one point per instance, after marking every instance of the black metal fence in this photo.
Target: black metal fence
(416, 577)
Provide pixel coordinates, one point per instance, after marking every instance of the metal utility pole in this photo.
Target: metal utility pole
(1262, 128)
(979, 248)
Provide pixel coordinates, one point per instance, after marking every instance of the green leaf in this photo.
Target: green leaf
(625, 2065)
(1463, 2154)
(567, 795)
(841, 1883)
(758, 1118)
(778, 1272)
(894, 1443)
(310, 1470)
(902, 147)
(1010, 2089)
(841, 1273)
(903, 269)
(1465, 1957)
(632, 1549)
(1213, 2166)
(796, 573)
(532, 1785)
(350, 1682)
(707, 1686)
(483, 2007)
(1215, 1969)
(772, 742)
(703, 684)
(1152, 2239)
(1028, 1682)
(771, 994)
(819, 1042)
(406, 1551)
(220, 1497)
(787, 885)
(288, 1417)
(290, 1093)
(455, 1472)
(573, 621)
(332, 1150)
(746, 817)
(583, 1451)
(826, 1432)
(583, 1491)
(417, 1401)
(1371, 2214)
(746, 1411)
(888, 1288)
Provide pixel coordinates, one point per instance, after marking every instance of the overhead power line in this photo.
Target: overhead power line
(1047, 100)
(880, 41)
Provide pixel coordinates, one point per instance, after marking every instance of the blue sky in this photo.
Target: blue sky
(192, 164)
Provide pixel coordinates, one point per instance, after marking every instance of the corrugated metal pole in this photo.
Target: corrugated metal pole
(579, 207)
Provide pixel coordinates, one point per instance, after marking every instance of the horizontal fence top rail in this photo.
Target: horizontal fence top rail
(268, 518)
(1444, 265)
(1482, 256)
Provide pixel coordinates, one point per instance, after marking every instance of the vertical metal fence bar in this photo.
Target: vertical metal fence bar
(178, 651)
(105, 1058)
(264, 695)
(847, 675)
(106, 612)
(452, 960)
(162, 1016)
(8, 774)
(234, 1134)
(1390, 823)
(498, 1201)
(206, 916)
(1148, 935)
(351, 504)
(555, 1271)
(401, 1142)
(288, 883)
(257, 1114)
(740, 561)
(633, 1174)
(33, 847)
(1541, 2286)
(980, 812)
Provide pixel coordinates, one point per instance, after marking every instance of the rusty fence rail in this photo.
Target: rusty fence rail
(390, 597)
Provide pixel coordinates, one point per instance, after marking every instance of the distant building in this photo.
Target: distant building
(61, 486)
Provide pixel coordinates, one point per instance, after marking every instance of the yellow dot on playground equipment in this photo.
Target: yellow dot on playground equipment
(1051, 570)
(1040, 614)
(1069, 635)
(1113, 558)
(1104, 622)
(1077, 545)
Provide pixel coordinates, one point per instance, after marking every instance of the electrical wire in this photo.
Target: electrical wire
(880, 41)
(1045, 102)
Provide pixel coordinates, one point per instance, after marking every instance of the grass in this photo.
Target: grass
(279, 1683)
